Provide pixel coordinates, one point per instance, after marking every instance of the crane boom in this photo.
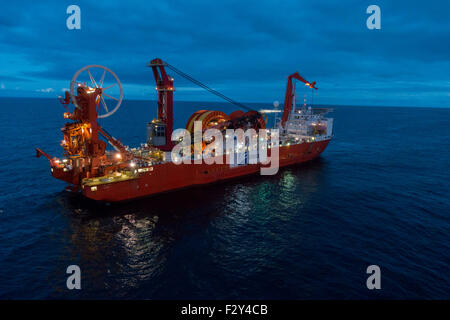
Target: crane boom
(290, 92)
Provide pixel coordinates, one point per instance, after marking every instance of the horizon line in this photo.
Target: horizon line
(224, 102)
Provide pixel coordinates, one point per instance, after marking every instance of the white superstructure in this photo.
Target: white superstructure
(306, 124)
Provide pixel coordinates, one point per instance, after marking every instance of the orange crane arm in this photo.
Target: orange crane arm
(40, 153)
(114, 142)
(290, 92)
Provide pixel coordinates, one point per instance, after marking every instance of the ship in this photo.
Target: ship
(122, 173)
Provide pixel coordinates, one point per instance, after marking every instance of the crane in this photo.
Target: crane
(290, 93)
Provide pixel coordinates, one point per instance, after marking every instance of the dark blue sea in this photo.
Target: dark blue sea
(378, 195)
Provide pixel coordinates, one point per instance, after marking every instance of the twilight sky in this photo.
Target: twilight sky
(245, 49)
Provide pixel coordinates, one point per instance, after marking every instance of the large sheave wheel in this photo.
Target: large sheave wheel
(108, 80)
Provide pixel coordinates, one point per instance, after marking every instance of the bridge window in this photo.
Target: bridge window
(160, 131)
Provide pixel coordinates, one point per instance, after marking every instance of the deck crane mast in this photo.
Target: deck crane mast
(290, 94)
(160, 130)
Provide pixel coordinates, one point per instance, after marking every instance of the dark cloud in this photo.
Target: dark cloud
(244, 48)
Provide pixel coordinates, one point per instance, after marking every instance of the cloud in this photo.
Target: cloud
(47, 90)
(246, 48)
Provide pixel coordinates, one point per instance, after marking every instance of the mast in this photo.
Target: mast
(164, 85)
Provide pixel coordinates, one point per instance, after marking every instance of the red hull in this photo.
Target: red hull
(168, 176)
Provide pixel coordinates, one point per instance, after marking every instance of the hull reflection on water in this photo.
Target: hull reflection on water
(123, 247)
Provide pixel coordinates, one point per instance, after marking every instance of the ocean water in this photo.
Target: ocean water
(378, 195)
